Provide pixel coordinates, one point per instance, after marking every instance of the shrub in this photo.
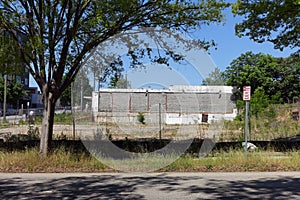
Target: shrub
(141, 117)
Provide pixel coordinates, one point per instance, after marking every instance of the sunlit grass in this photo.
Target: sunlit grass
(58, 161)
(238, 161)
(233, 161)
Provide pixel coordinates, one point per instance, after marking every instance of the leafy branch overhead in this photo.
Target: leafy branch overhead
(275, 21)
(60, 34)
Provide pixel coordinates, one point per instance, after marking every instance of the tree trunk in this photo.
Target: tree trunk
(47, 124)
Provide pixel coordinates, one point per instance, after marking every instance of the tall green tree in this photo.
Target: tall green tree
(278, 77)
(60, 34)
(250, 69)
(275, 21)
(286, 78)
(14, 91)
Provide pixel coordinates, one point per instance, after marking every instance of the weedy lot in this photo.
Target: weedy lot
(275, 124)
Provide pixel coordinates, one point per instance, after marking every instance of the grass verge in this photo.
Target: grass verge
(233, 161)
(59, 161)
(237, 161)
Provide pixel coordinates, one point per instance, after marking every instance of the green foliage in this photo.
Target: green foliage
(141, 118)
(248, 69)
(61, 136)
(60, 34)
(10, 58)
(277, 77)
(33, 133)
(65, 98)
(239, 117)
(240, 104)
(216, 77)
(100, 69)
(116, 82)
(271, 122)
(286, 78)
(234, 160)
(14, 91)
(259, 101)
(270, 113)
(63, 160)
(60, 160)
(63, 118)
(273, 21)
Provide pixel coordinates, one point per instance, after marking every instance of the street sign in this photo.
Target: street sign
(246, 93)
(246, 97)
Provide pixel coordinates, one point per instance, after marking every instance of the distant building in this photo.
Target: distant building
(35, 97)
(21, 77)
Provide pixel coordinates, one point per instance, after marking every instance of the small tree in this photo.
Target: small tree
(216, 77)
(259, 101)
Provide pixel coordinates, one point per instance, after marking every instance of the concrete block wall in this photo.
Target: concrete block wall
(177, 104)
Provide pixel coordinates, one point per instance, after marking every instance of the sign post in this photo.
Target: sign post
(246, 97)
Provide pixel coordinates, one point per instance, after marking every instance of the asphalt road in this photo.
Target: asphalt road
(278, 185)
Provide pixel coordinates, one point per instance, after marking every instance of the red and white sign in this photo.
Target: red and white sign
(246, 93)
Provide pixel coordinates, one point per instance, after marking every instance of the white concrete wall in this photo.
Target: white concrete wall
(174, 118)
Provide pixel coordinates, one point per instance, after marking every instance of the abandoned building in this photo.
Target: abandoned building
(179, 104)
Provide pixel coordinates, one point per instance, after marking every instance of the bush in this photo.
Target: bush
(141, 117)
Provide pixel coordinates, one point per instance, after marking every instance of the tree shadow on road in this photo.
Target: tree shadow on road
(262, 188)
(116, 186)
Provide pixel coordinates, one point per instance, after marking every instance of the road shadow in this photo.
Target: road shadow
(262, 188)
(116, 186)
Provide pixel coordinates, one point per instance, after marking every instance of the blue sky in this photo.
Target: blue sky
(229, 46)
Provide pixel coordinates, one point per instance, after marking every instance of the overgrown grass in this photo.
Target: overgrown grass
(233, 161)
(59, 161)
(238, 161)
(5, 125)
(62, 118)
(273, 122)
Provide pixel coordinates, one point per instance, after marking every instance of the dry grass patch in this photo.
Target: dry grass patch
(237, 161)
(232, 161)
(59, 161)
